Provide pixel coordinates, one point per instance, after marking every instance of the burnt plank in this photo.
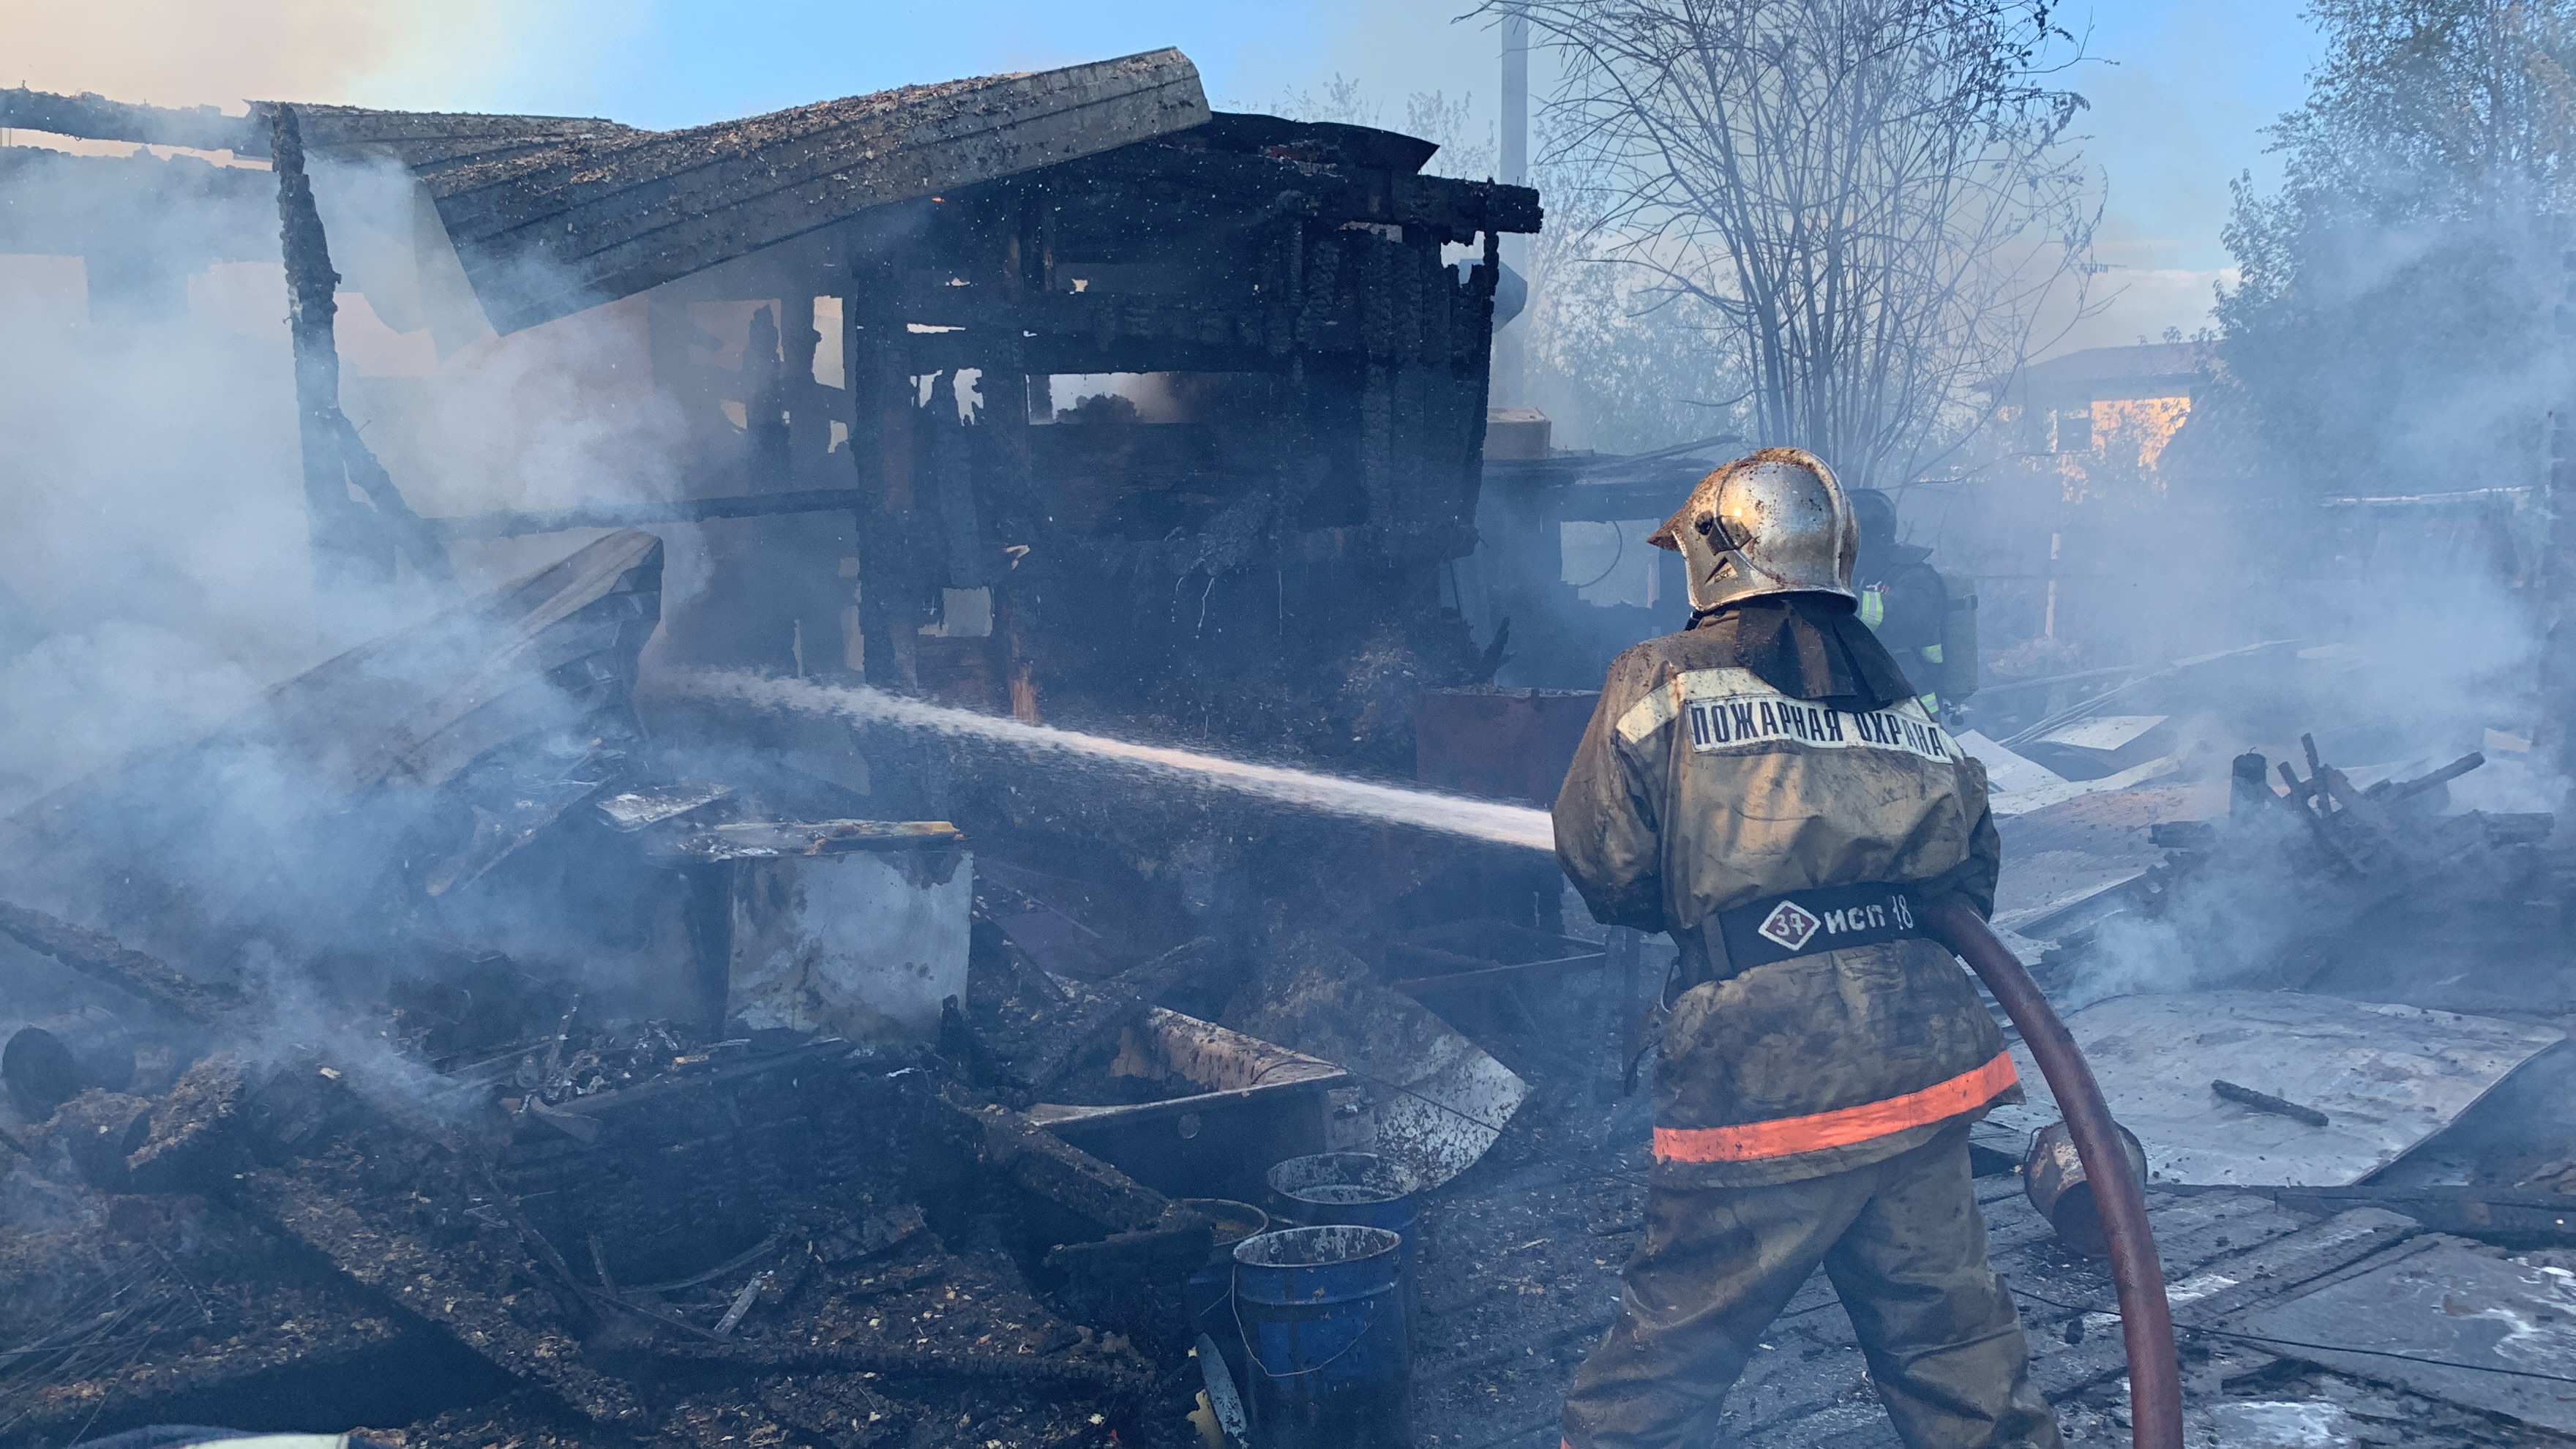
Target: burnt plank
(96, 118)
(102, 957)
(1047, 1165)
(426, 1249)
(2272, 1271)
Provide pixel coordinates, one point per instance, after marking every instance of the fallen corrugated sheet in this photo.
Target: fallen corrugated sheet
(2386, 1077)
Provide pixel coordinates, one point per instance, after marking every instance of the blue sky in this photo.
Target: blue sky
(2180, 88)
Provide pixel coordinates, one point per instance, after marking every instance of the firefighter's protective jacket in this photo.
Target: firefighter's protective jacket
(1701, 786)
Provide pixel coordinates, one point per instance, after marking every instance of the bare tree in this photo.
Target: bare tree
(1432, 115)
(1874, 203)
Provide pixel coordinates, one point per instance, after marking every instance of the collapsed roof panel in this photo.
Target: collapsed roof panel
(551, 216)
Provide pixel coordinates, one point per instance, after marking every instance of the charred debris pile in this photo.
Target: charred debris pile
(2332, 963)
(460, 1054)
(467, 1039)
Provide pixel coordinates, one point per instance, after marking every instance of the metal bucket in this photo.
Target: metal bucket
(1361, 1189)
(1320, 1311)
(2052, 1176)
(1210, 1288)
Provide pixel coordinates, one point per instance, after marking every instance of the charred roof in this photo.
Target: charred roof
(618, 210)
(553, 214)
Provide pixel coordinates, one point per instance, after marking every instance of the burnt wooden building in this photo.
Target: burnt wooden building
(1142, 411)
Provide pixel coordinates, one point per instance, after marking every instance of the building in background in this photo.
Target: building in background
(2119, 404)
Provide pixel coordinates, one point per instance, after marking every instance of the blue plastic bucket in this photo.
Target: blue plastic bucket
(1321, 1312)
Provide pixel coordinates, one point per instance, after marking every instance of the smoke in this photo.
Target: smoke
(157, 585)
(158, 570)
(157, 535)
(395, 52)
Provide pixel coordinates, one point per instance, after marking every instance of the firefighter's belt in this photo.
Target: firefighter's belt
(1828, 918)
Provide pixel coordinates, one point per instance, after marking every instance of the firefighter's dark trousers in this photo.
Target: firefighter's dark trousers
(1905, 1246)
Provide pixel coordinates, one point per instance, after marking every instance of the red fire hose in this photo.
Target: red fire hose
(2146, 1320)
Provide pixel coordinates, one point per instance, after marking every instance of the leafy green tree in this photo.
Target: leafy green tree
(2390, 330)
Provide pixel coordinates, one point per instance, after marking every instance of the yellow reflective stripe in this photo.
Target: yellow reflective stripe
(1725, 682)
(1873, 606)
(1646, 716)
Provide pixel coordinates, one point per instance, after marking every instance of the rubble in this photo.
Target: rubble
(489, 1039)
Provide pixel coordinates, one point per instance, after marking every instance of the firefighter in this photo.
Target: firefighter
(1766, 787)
(1902, 597)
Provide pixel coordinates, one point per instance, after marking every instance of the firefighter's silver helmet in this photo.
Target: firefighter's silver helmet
(1771, 522)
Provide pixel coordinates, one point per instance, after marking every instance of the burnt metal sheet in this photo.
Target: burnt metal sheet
(2006, 770)
(2451, 1320)
(632, 810)
(1244, 1104)
(2386, 1076)
(1225, 1065)
(1440, 1099)
(1504, 744)
(2040, 795)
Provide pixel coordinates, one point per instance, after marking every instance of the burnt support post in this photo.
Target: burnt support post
(885, 421)
(354, 544)
(341, 561)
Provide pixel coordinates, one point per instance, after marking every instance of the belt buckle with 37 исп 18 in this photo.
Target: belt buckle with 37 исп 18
(1829, 918)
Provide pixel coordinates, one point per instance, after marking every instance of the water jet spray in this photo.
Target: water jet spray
(1488, 821)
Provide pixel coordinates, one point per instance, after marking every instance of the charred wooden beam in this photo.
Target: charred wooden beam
(1451, 210)
(509, 523)
(337, 535)
(102, 957)
(1047, 1165)
(2265, 1102)
(96, 118)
